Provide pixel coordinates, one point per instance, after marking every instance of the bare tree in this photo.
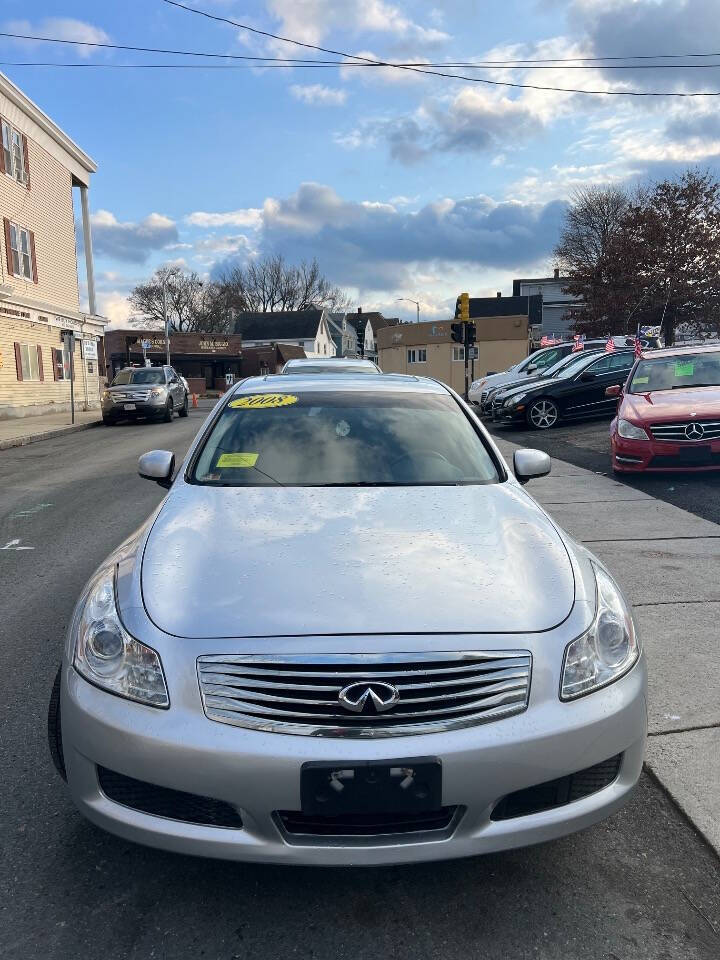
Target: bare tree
(594, 218)
(270, 285)
(192, 304)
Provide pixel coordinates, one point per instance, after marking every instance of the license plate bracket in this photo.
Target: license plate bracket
(374, 786)
(130, 406)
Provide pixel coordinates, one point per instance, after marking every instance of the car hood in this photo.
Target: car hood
(672, 404)
(263, 561)
(494, 380)
(530, 384)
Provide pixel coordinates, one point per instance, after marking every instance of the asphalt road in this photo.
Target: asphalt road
(641, 885)
(587, 444)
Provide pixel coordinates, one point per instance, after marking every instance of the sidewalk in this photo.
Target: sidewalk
(667, 562)
(21, 430)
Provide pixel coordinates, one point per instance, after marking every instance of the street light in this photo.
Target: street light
(410, 300)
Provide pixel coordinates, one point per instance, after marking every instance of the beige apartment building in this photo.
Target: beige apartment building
(39, 296)
(427, 350)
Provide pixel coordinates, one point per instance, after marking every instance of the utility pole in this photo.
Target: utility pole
(167, 326)
(409, 300)
(69, 342)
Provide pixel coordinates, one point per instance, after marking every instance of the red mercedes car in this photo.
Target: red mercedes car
(668, 415)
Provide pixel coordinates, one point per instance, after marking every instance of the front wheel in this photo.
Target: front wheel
(542, 414)
(168, 411)
(183, 411)
(54, 729)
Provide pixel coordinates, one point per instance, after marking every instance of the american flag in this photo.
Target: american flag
(610, 346)
(579, 343)
(638, 347)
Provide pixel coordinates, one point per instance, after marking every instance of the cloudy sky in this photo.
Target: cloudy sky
(401, 184)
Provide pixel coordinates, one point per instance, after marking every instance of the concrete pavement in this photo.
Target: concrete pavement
(666, 559)
(19, 431)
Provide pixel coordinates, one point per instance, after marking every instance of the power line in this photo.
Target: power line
(555, 63)
(437, 73)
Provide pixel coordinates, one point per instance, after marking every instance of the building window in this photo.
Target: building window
(417, 355)
(61, 363)
(28, 361)
(13, 146)
(21, 247)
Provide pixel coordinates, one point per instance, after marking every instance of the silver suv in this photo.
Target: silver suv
(152, 392)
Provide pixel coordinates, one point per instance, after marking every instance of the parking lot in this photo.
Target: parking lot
(587, 444)
(643, 884)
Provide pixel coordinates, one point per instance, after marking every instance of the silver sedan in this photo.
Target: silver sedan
(348, 635)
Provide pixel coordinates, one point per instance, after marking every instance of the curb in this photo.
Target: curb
(47, 435)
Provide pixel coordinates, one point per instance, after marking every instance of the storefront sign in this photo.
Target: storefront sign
(89, 349)
(214, 344)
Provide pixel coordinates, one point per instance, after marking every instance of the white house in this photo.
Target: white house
(308, 329)
(556, 305)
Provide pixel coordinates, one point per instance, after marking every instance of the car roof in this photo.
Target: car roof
(330, 361)
(682, 351)
(313, 383)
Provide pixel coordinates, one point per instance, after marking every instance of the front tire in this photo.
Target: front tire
(183, 411)
(108, 421)
(168, 411)
(54, 728)
(542, 414)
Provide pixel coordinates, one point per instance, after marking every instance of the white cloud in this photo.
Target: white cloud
(131, 241)
(114, 305)
(312, 20)
(248, 217)
(64, 28)
(318, 94)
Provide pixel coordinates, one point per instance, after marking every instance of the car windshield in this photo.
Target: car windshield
(343, 438)
(569, 361)
(142, 375)
(327, 368)
(578, 363)
(674, 373)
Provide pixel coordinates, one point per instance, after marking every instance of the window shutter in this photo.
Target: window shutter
(41, 372)
(2, 152)
(8, 248)
(18, 362)
(33, 258)
(26, 160)
(54, 354)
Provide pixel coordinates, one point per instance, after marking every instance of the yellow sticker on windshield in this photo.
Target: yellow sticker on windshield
(263, 401)
(238, 460)
(641, 380)
(684, 369)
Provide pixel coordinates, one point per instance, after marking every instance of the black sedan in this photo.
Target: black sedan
(578, 391)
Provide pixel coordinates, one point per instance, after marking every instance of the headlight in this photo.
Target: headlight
(514, 401)
(477, 384)
(607, 650)
(157, 391)
(106, 394)
(106, 655)
(630, 431)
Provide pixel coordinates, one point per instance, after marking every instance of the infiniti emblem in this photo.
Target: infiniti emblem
(368, 697)
(694, 431)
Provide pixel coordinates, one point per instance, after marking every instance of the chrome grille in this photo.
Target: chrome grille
(122, 396)
(484, 395)
(299, 694)
(676, 432)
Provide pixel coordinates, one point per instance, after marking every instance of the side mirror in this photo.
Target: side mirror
(529, 464)
(587, 377)
(157, 465)
(531, 368)
(614, 391)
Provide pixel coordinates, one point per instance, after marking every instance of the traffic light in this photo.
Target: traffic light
(457, 332)
(470, 333)
(462, 307)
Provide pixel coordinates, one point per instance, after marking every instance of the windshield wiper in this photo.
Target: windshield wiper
(684, 386)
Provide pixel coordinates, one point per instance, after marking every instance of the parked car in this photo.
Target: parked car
(575, 393)
(496, 396)
(152, 392)
(668, 415)
(223, 693)
(330, 365)
(535, 363)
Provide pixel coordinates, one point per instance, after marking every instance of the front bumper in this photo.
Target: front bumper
(655, 456)
(259, 773)
(509, 414)
(142, 408)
